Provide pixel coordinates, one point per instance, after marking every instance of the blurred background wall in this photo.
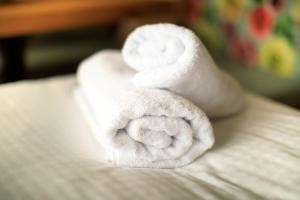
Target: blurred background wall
(257, 41)
(60, 52)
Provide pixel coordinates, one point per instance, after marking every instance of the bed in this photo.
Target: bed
(48, 152)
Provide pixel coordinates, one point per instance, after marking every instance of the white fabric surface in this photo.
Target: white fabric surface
(48, 152)
(173, 57)
(139, 127)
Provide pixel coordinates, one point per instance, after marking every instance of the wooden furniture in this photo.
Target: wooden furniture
(21, 18)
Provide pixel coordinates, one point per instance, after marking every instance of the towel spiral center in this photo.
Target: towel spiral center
(171, 135)
(155, 50)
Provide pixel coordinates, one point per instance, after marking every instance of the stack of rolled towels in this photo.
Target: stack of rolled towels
(149, 105)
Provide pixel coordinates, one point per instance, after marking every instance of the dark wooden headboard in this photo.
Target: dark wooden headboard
(21, 18)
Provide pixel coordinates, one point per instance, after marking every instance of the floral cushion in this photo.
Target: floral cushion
(261, 34)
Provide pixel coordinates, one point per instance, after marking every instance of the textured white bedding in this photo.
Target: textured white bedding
(47, 152)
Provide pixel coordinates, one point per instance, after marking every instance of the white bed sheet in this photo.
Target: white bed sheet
(48, 152)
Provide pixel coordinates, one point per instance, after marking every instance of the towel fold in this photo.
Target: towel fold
(172, 57)
(139, 127)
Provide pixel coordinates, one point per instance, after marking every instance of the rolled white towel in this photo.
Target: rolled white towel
(139, 127)
(173, 57)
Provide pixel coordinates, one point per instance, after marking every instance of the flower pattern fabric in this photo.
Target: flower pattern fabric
(277, 55)
(261, 34)
(261, 21)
